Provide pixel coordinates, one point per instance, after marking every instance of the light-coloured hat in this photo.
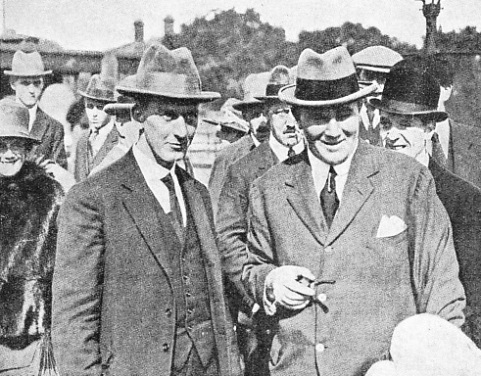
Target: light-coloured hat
(279, 77)
(168, 73)
(254, 86)
(376, 58)
(100, 89)
(14, 120)
(230, 117)
(428, 345)
(27, 64)
(323, 80)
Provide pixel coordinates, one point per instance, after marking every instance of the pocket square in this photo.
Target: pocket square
(390, 226)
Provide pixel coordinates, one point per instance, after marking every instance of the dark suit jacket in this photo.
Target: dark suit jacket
(465, 152)
(389, 249)
(462, 201)
(51, 135)
(113, 298)
(223, 160)
(82, 168)
(231, 219)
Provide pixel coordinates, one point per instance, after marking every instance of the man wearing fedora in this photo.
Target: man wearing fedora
(408, 119)
(373, 64)
(346, 239)
(26, 79)
(94, 145)
(231, 220)
(138, 284)
(251, 108)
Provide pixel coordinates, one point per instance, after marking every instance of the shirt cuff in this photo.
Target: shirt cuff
(269, 300)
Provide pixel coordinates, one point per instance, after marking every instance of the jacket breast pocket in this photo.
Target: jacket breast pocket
(389, 249)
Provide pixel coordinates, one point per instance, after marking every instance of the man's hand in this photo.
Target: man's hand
(285, 287)
(64, 177)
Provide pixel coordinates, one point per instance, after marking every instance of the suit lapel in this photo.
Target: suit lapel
(302, 196)
(110, 142)
(357, 190)
(39, 126)
(269, 158)
(148, 216)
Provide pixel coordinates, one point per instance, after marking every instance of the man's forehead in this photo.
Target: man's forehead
(277, 105)
(29, 78)
(161, 104)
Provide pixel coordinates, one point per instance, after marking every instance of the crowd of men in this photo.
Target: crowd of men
(342, 220)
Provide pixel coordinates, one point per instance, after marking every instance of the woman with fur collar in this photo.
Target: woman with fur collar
(29, 200)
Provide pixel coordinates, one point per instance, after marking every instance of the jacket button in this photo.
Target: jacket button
(320, 347)
(328, 249)
(165, 347)
(168, 312)
(322, 298)
(188, 294)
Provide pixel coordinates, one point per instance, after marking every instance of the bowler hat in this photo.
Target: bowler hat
(27, 64)
(168, 73)
(101, 89)
(376, 58)
(14, 121)
(410, 90)
(327, 79)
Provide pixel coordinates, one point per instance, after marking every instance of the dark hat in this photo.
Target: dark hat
(376, 58)
(14, 121)
(100, 89)
(27, 64)
(410, 90)
(323, 80)
(168, 73)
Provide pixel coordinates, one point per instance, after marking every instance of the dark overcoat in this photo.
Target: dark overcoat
(389, 250)
(112, 288)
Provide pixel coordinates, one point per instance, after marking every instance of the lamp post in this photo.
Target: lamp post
(431, 10)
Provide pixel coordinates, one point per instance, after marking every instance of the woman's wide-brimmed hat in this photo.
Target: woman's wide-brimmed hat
(14, 121)
(410, 90)
(323, 80)
(27, 64)
(168, 73)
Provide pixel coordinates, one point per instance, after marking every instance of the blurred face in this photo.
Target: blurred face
(228, 134)
(95, 113)
(13, 152)
(258, 121)
(405, 134)
(28, 90)
(169, 128)
(377, 77)
(331, 132)
(284, 126)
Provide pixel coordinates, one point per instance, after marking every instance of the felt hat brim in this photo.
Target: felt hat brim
(241, 106)
(101, 99)
(27, 74)
(430, 114)
(287, 94)
(204, 96)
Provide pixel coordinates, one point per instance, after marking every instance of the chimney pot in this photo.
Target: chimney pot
(139, 31)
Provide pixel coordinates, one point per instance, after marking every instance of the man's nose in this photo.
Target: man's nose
(180, 127)
(31, 88)
(333, 129)
(9, 154)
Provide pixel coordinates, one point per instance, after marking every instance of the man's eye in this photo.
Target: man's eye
(170, 115)
(343, 115)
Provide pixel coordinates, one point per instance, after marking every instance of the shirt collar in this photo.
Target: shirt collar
(148, 165)
(255, 140)
(281, 150)
(341, 169)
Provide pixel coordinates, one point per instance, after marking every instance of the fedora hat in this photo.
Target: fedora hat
(254, 86)
(168, 73)
(100, 89)
(410, 90)
(279, 77)
(14, 121)
(327, 79)
(27, 64)
(376, 58)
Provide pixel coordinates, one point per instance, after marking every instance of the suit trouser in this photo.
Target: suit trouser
(194, 367)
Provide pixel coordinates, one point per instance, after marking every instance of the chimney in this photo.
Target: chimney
(169, 25)
(139, 31)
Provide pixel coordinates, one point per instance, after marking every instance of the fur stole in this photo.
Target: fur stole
(29, 204)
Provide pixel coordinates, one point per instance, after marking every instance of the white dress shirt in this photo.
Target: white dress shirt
(442, 129)
(281, 151)
(32, 115)
(153, 173)
(103, 132)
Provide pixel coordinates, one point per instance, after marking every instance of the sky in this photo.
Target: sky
(99, 25)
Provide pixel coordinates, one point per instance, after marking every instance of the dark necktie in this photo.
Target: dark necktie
(438, 153)
(91, 149)
(291, 152)
(329, 199)
(175, 214)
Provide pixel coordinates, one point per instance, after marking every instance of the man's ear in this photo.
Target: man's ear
(138, 114)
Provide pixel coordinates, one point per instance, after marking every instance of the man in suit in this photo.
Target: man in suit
(408, 119)
(94, 145)
(231, 221)
(138, 287)
(26, 79)
(373, 64)
(251, 109)
(346, 239)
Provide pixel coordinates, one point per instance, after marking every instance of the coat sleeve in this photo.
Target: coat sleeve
(435, 268)
(231, 227)
(260, 251)
(77, 283)
(216, 180)
(58, 147)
